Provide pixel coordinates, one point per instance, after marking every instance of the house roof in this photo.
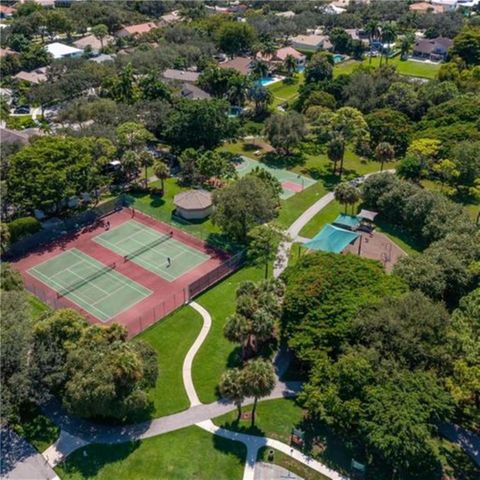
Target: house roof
(284, 52)
(287, 14)
(240, 64)
(35, 76)
(428, 45)
(182, 75)
(171, 17)
(138, 29)
(8, 135)
(193, 200)
(103, 58)
(310, 40)
(7, 51)
(60, 50)
(193, 92)
(7, 11)
(93, 41)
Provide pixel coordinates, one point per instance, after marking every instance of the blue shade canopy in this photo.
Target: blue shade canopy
(346, 221)
(331, 239)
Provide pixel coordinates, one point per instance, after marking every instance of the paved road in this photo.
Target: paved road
(20, 461)
(469, 441)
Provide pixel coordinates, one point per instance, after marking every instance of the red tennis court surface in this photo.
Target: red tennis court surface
(294, 187)
(166, 295)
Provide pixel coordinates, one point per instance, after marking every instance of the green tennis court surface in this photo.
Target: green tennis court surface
(93, 286)
(292, 183)
(151, 250)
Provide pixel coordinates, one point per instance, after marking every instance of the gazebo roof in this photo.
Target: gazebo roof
(367, 215)
(193, 200)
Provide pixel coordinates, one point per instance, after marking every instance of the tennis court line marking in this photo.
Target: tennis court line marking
(82, 278)
(121, 277)
(103, 314)
(68, 268)
(156, 269)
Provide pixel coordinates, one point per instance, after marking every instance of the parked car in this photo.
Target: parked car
(22, 110)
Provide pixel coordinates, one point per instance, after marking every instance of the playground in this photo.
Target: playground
(126, 268)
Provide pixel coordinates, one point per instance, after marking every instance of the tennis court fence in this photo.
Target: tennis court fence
(66, 226)
(166, 306)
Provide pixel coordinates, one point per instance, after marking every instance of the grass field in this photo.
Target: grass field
(171, 338)
(185, 454)
(37, 307)
(216, 354)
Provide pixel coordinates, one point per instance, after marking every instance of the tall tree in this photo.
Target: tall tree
(161, 171)
(347, 194)
(384, 152)
(290, 65)
(232, 388)
(146, 159)
(319, 68)
(100, 31)
(259, 381)
(285, 131)
(336, 152)
(263, 243)
(243, 205)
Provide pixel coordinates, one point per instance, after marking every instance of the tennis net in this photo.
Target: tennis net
(86, 279)
(147, 247)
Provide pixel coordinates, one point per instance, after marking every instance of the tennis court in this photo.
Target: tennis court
(292, 183)
(159, 253)
(95, 287)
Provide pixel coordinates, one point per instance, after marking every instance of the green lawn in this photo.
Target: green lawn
(190, 453)
(216, 354)
(161, 208)
(274, 419)
(290, 464)
(37, 307)
(172, 338)
(404, 67)
(285, 91)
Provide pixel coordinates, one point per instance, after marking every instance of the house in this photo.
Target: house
(287, 14)
(60, 50)
(311, 43)
(423, 7)
(7, 135)
(240, 64)
(94, 42)
(6, 12)
(7, 51)
(281, 54)
(134, 30)
(103, 58)
(35, 76)
(180, 75)
(444, 6)
(192, 92)
(434, 49)
(356, 34)
(169, 18)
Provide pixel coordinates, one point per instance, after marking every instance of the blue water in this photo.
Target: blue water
(265, 81)
(338, 58)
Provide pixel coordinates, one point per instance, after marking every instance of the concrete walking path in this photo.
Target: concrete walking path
(187, 364)
(468, 441)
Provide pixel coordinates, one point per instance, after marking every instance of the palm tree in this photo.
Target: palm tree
(260, 68)
(258, 380)
(347, 194)
(290, 65)
(100, 31)
(336, 151)
(406, 45)
(373, 31)
(268, 49)
(231, 387)
(145, 159)
(388, 36)
(384, 152)
(261, 96)
(161, 171)
(129, 162)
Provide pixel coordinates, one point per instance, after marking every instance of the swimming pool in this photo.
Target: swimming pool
(265, 81)
(337, 58)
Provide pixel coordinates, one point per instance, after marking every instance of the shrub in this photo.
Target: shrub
(21, 227)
